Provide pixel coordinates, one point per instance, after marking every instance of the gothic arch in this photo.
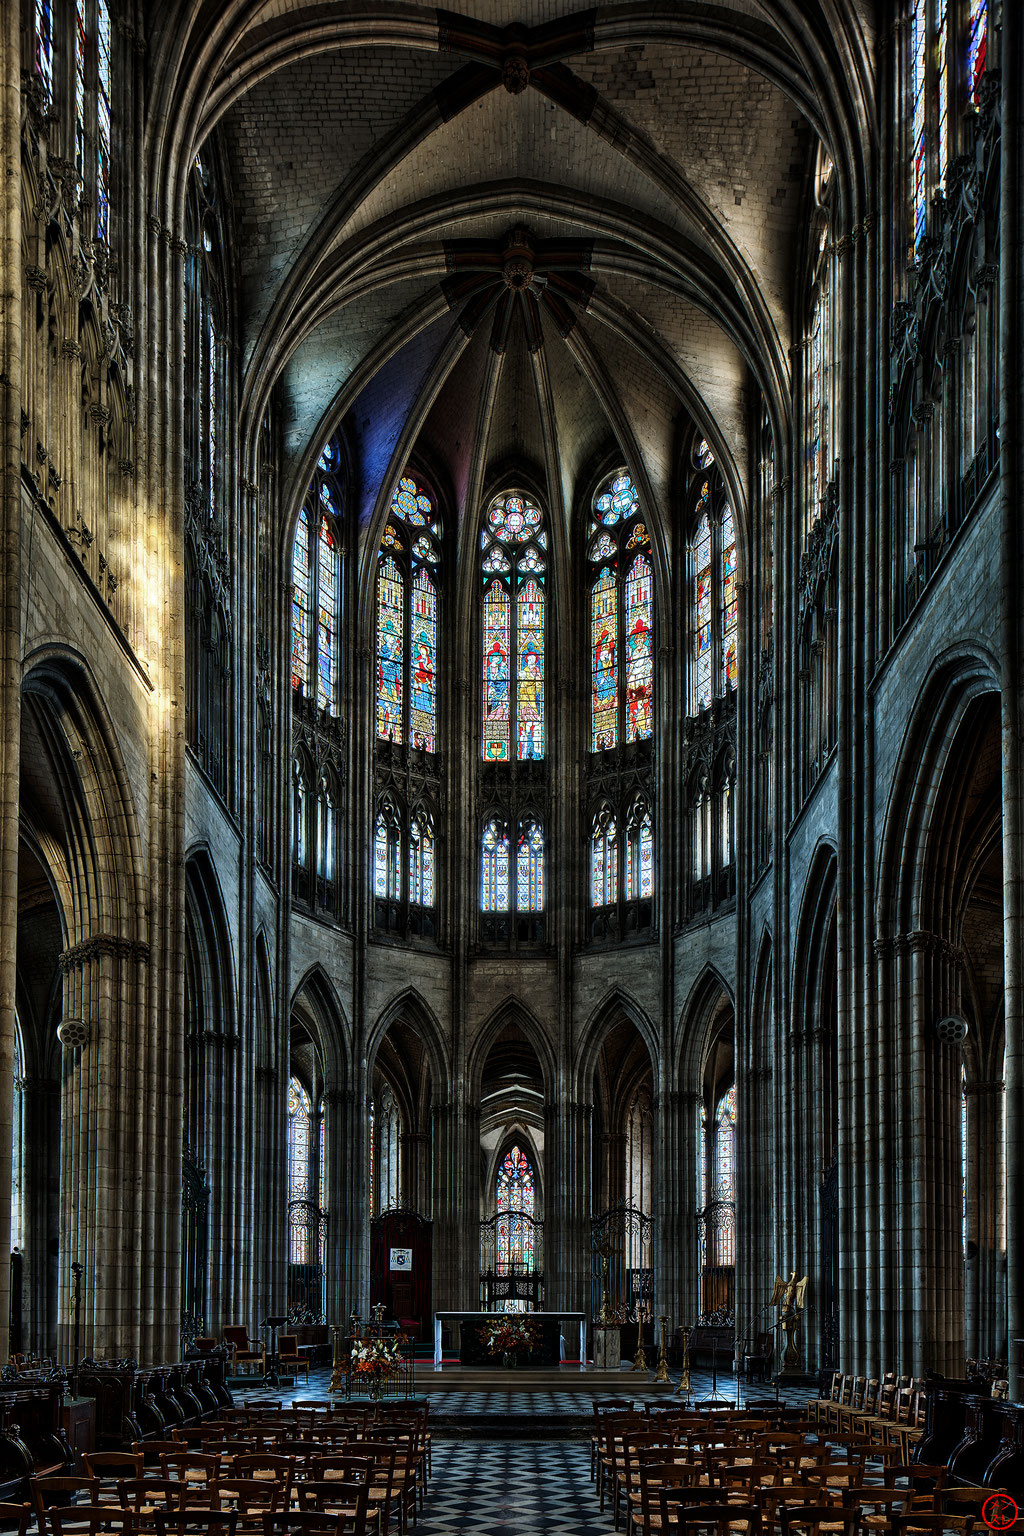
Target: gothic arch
(409, 1007)
(210, 972)
(315, 1000)
(709, 996)
(811, 952)
(511, 1011)
(617, 1003)
(515, 1134)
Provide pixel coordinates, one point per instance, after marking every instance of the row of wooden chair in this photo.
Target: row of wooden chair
(662, 1470)
(891, 1408)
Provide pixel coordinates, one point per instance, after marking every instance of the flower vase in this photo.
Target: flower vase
(510, 1360)
(376, 1389)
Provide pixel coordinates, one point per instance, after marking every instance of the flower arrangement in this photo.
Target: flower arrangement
(511, 1333)
(376, 1357)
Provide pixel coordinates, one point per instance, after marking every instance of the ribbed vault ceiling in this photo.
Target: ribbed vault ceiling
(363, 144)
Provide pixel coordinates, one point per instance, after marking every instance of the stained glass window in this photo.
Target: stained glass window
(604, 861)
(530, 680)
(102, 120)
(494, 868)
(514, 1199)
(703, 602)
(729, 626)
(299, 1126)
(300, 601)
(326, 618)
(530, 868)
(407, 644)
(512, 565)
(44, 44)
(604, 625)
(386, 1146)
(80, 50)
(421, 861)
(640, 855)
(977, 42)
(621, 619)
(387, 844)
(918, 73)
(639, 1157)
(316, 587)
(390, 631)
(725, 1147)
(639, 664)
(422, 685)
(497, 624)
(942, 87)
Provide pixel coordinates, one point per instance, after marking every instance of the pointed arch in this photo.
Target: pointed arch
(512, 1011)
(699, 1018)
(410, 1007)
(616, 1004)
(315, 999)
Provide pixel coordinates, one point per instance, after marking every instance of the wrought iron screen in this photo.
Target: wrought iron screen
(195, 1203)
(622, 1262)
(716, 1248)
(307, 1236)
(511, 1262)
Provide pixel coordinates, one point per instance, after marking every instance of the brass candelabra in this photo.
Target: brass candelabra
(661, 1374)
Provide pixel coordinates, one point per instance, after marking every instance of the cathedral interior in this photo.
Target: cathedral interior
(511, 699)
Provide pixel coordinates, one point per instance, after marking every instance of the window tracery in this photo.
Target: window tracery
(515, 1198)
(307, 1217)
(513, 565)
(407, 619)
(621, 618)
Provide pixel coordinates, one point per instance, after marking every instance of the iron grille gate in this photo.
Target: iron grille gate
(716, 1250)
(622, 1262)
(511, 1262)
(307, 1237)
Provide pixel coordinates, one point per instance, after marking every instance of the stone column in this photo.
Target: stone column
(103, 1186)
(678, 1282)
(40, 1174)
(568, 1132)
(348, 1214)
(10, 606)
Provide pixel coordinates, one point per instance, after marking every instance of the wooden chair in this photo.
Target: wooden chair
(18, 1515)
(152, 1450)
(267, 1467)
(245, 1351)
(918, 1522)
(192, 1467)
(721, 1520)
(303, 1522)
(196, 1522)
(250, 1498)
(819, 1520)
(56, 1492)
(349, 1500)
(288, 1354)
(111, 1466)
(89, 1519)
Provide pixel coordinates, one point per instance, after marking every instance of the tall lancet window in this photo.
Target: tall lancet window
(717, 1220)
(515, 1200)
(385, 1152)
(495, 873)
(299, 1168)
(513, 565)
(316, 586)
(306, 1217)
(407, 620)
(621, 618)
(713, 613)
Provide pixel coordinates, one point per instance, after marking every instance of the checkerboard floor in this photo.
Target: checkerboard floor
(526, 1488)
(530, 1404)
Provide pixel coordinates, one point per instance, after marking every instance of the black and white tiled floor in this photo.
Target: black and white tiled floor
(522, 1488)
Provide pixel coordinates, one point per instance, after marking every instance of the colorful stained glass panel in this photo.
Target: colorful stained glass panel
(604, 625)
(530, 671)
(496, 647)
(423, 664)
(639, 660)
(494, 871)
(918, 73)
(102, 120)
(326, 612)
(530, 869)
(977, 43)
(729, 626)
(300, 602)
(44, 43)
(702, 608)
(390, 635)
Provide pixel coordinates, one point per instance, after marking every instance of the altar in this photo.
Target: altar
(548, 1353)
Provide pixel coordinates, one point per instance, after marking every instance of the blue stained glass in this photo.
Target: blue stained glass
(530, 678)
(423, 663)
(494, 878)
(327, 608)
(390, 634)
(103, 121)
(604, 863)
(300, 602)
(496, 645)
(514, 1199)
(977, 44)
(44, 44)
(530, 869)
